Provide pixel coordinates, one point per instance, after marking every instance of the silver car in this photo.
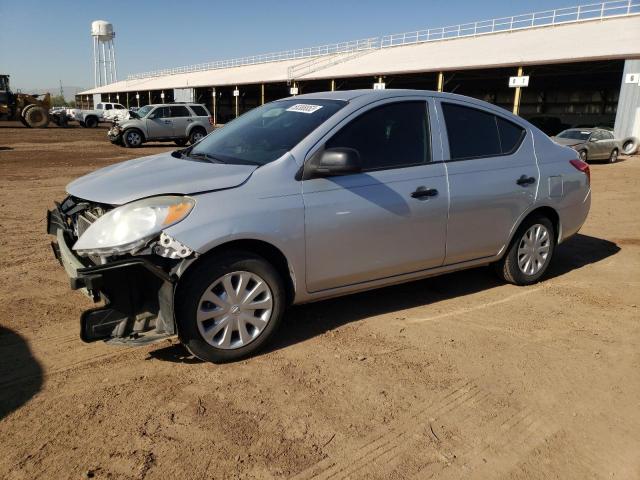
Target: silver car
(308, 198)
(590, 143)
(177, 122)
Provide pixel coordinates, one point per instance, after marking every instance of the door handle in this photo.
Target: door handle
(422, 192)
(524, 180)
(167, 121)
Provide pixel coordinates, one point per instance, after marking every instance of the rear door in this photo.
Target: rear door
(160, 124)
(181, 117)
(371, 225)
(493, 179)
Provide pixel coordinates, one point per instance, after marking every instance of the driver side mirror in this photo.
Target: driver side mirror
(338, 161)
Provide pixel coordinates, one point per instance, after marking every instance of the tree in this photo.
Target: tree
(58, 101)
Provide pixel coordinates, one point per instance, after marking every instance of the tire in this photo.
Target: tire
(513, 267)
(630, 145)
(181, 142)
(37, 117)
(207, 281)
(583, 155)
(613, 158)
(82, 124)
(196, 135)
(91, 122)
(132, 138)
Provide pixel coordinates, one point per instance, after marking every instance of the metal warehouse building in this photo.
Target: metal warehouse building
(580, 63)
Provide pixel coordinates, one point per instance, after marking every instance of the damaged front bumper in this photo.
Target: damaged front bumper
(137, 293)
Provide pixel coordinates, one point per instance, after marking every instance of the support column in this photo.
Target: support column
(215, 108)
(440, 81)
(236, 98)
(149, 97)
(262, 94)
(516, 97)
(333, 85)
(162, 95)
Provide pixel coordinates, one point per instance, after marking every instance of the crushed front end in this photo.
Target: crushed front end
(136, 285)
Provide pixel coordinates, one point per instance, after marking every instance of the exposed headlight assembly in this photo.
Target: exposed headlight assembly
(129, 227)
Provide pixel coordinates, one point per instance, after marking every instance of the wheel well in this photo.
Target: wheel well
(551, 214)
(198, 128)
(258, 247)
(136, 129)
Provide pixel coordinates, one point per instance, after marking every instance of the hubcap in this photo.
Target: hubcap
(533, 250)
(614, 157)
(134, 138)
(197, 136)
(234, 310)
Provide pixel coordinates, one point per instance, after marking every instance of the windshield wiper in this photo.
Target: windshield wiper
(205, 156)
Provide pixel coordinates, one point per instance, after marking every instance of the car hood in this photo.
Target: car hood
(157, 175)
(569, 142)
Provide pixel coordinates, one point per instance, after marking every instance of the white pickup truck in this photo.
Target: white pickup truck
(104, 112)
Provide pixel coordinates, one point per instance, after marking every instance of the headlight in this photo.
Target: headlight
(131, 226)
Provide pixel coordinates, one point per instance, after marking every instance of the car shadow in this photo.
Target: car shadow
(21, 375)
(304, 322)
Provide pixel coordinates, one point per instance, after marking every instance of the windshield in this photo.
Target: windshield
(266, 133)
(142, 112)
(575, 134)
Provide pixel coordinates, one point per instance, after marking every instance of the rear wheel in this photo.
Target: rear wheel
(91, 122)
(197, 134)
(132, 138)
(229, 306)
(529, 253)
(613, 158)
(37, 117)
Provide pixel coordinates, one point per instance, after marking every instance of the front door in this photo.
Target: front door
(493, 180)
(159, 124)
(388, 220)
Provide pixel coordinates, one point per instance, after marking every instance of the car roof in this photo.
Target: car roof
(349, 95)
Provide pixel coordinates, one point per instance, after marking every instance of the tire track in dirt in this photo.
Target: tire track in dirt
(411, 447)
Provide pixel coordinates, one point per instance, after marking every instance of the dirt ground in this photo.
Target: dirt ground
(458, 376)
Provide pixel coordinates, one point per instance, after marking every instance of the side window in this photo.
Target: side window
(179, 111)
(108, 106)
(608, 135)
(99, 106)
(511, 135)
(474, 133)
(161, 112)
(119, 107)
(199, 110)
(390, 136)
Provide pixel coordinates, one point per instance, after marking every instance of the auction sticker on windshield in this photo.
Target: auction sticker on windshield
(304, 108)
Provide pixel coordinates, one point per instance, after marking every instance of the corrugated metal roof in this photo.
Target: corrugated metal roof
(611, 38)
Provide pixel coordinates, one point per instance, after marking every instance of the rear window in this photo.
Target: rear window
(179, 111)
(199, 111)
(474, 133)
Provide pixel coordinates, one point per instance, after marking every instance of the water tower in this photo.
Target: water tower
(104, 53)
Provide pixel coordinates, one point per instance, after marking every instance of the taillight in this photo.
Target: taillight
(211, 121)
(583, 167)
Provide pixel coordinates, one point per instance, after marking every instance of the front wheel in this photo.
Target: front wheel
(229, 306)
(529, 253)
(132, 138)
(583, 155)
(197, 134)
(613, 158)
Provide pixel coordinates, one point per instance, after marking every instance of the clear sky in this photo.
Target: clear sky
(47, 41)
